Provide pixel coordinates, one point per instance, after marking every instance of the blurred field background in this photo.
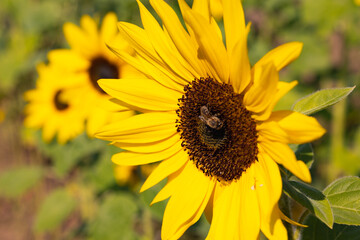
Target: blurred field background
(52, 191)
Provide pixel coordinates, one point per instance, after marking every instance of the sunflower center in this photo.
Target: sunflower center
(59, 104)
(101, 68)
(216, 130)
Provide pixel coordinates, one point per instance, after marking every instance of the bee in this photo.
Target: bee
(211, 120)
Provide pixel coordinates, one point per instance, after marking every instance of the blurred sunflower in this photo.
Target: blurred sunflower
(2, 115)
(129, 175)
(88, 60)
(51, 109)
(207, 114)
(357, 2)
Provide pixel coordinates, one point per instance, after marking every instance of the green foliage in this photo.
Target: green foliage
(319, 231)
(55, 209)
(311, 198)
(101, 174)
(304, 152)
(321, 99)
(115, 218)
(147, 197)
(15, 182)
(344, 197)
(66, 156)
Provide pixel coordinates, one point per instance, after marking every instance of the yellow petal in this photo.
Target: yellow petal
(283, 216)
(96, 119)
(202, 7)
(240, 72)
(299, 127)
(226, 213)
(165, 168)
(210, 44)
(132, 158)
(68, 60)
(236, 211)
(139, 40)
(108, 27)
(79, 40)
(187, 203)
(282, 154)
(234, 23)
(273, 228)
(179, 36)
(49, 130)
(142, 128)
(141, 123)
(258, 98)
(149, 147)
(149, 61)
(174, 182)
(163, 46)
(142, 93)
(282, 55)
(149, 67)
(282, 89)
(271, 131)
(216, 9)
(249, 206)
(268, 188)
(90, 27)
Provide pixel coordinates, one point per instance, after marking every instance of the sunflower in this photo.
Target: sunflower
(208, 117)
(51, 109)
(89, 59)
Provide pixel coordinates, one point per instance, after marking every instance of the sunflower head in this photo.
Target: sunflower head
(217, 131)
(50, 106)
(208, 117)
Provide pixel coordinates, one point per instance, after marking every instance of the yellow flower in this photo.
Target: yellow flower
(125, 174)
(207, 114)
(89, 59)
(51, 109)
(357, 2)
(129, 174)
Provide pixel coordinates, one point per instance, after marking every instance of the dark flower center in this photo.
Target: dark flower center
(102, 68)
(216, 130)
(59, 104)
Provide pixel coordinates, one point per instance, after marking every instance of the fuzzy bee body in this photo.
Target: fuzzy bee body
(211, 120)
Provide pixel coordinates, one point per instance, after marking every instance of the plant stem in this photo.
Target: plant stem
(337, 137)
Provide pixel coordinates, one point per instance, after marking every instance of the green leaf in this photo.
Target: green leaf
(15, 182)
(66, 156)
(312, 199)
(321, 99)
(101, 175)
(304, 152)
(319, 231)
(115, 218)
(344, 197)
(54, 210)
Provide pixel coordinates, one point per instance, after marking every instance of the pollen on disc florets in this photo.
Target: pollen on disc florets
(216, 130)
